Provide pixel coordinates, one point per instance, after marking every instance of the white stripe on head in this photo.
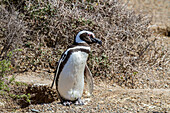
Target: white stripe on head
(78, 40)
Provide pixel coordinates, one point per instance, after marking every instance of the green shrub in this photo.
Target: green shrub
(4, 68)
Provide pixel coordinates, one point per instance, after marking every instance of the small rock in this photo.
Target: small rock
(110, 90)
(49, 109)
(166, 86)
(1, 104)
(87, 94)
(34, 110)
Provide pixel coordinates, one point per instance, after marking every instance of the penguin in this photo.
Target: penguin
(72, 69)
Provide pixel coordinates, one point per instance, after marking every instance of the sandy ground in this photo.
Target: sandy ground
(107, 97)
(158, 9)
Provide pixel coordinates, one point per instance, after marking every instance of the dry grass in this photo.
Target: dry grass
(12, 30)
(130, 54)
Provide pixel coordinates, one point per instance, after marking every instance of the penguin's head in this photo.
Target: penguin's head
(86, 37)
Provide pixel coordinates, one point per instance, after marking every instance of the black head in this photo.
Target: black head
(87, 37)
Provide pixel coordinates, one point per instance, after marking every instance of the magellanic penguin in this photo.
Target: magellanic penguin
(72, 69)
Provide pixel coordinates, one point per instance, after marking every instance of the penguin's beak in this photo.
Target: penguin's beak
(95, 40)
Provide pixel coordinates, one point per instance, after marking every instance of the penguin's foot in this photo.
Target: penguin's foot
(79, 102)
(67, 103)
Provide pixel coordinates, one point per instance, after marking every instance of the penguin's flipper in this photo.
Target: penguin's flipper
(88, 79)
(56, 73)
(55, 76)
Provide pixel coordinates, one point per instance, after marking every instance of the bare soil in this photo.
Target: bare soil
(107, 97)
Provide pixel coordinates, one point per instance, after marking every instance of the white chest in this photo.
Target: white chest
(71, 78)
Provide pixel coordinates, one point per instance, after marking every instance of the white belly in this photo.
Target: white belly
(71, 78)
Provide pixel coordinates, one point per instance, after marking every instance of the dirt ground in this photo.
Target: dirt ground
(107, 96)
(158, 9)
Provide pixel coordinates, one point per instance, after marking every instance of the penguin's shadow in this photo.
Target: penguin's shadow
(39, 95)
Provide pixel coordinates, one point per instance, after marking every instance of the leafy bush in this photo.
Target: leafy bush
(4, 68)
(130, 50)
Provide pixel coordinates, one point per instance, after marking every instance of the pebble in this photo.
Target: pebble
(110, 90)
(49, 109)
(34, 110)
(1, 104)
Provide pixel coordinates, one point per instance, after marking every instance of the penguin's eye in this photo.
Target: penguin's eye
(90, 35)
